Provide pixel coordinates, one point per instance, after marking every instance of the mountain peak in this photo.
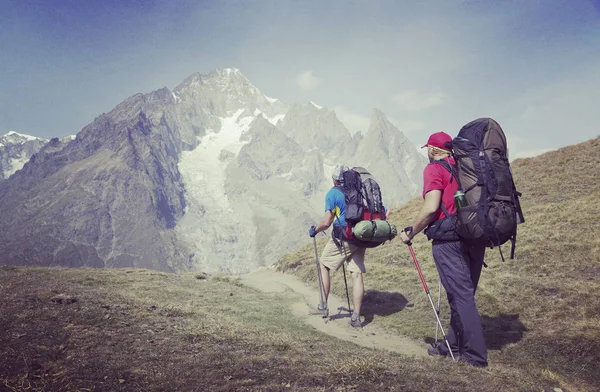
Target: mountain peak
(227, 74)
(191, 164)
(312, 108)
(230, 81)
(379, 122)
(15, 150)
(229, 71)
(15, 137)
(378, 115)
(17, 134)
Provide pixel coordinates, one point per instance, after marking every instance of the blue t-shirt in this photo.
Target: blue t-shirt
(335, 201)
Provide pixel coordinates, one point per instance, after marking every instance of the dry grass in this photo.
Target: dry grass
(138, 330)
(541, 312)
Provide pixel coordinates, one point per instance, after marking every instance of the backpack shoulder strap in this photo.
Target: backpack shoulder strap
(444, 209)
(446, 165)
(337, 241)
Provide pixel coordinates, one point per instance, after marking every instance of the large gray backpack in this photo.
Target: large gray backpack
(483, 171)
(367, 226)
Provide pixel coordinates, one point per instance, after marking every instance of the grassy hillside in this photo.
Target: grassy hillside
(541, 312)
(139, 330)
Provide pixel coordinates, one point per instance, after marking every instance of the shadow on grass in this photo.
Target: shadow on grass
(502, 330)
(498, 331)
(381, 303)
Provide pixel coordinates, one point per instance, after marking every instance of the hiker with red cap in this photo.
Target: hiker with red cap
(459, 262)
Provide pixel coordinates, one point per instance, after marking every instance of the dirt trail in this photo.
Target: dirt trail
(371, 335)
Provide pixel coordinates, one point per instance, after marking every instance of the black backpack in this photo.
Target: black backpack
(363, 203)
(483, 171)
(363, 196)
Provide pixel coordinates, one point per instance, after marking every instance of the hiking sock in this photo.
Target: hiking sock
(355, 316)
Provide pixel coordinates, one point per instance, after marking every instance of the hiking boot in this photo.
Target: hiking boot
(355, 323)
(437, 351)
(320, 311)
(475, 364)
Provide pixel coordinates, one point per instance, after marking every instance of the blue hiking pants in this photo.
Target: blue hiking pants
(459, 266)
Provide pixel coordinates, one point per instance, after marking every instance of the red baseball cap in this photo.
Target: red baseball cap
(440, 140)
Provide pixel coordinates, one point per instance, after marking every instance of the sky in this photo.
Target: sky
(429, 65)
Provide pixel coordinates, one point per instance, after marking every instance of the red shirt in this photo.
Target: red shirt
(437, 177)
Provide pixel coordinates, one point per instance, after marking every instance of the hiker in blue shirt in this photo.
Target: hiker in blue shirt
(333, 255)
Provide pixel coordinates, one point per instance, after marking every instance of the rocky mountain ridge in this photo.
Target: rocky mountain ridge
(16, 149)
(213, 175)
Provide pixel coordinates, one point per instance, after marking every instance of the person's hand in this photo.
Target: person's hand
(312, 231)
(404, 237)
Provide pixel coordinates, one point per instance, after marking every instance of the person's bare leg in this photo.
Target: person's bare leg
(358, 291)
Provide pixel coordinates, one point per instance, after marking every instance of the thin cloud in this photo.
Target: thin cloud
(529, 153)
(414, 100)
(409, 126)
(352, 121)
(307, 81)
(515, 145)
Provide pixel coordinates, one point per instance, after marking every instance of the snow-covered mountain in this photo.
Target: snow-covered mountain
(213, 175)
(16, 149)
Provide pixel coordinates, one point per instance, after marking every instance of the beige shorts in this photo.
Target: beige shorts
(333, 257)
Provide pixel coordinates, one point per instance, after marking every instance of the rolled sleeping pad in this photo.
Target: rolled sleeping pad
(376, 230)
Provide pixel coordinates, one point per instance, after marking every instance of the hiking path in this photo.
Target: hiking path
(268, 280)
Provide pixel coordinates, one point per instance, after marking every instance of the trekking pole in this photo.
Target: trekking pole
(438, 311)
(346, 282)
(347, 296)
(412, 253)
(319, 276)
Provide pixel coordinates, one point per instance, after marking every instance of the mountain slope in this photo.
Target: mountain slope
(213, 175)
(107, 199)
(138, 329)
(392, 159)
(317, 127)
(540, 311)
(15, 151)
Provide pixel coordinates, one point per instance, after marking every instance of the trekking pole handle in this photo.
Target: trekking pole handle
(408, 229)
